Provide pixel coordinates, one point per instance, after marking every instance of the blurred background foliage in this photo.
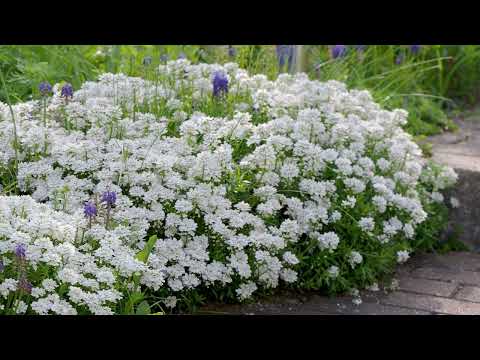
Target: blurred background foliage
(432, 82)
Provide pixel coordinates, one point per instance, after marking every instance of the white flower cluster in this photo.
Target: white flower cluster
(230, 193)
(86, 268)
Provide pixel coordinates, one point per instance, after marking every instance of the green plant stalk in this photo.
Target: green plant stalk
(15, 137)
(45, 125)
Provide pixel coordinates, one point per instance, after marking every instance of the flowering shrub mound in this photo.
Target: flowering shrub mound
(201, 183)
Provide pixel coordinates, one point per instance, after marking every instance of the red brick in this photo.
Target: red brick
(432, 303)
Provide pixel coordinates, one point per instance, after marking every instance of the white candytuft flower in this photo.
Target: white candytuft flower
(238, 193)
(454, 202)
(402, 256)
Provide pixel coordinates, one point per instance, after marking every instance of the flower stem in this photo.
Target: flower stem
(15, 137)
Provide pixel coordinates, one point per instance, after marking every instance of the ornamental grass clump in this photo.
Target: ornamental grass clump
(285, 183)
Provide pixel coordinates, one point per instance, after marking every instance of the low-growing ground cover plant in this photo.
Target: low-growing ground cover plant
(204, 183)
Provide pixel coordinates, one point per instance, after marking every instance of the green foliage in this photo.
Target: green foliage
(427, 84)
(143, 255)
(24, 67)
(143, 308)
(423, 84)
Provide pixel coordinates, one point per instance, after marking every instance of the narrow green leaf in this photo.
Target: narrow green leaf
(143, 308)
(144, 254)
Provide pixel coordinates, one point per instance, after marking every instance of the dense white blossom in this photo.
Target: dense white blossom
(233, 197)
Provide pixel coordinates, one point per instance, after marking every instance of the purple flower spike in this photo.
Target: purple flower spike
(67, 91)
(24, 285)
(20, 251)
(90, 210)
(360, 48)
(232, 52)
(164, 58)
(45, 88)
(338, 51)
(415, 49)
(399, 59)
(182, 56)
(220, 83)
(109, 197)
(2, 266)
(285, 55)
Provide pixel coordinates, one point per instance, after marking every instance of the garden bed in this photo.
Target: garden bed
(205, 183)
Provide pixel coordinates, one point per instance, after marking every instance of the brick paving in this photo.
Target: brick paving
(428, 284)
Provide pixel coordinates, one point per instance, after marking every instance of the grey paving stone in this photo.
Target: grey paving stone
(457, 161)
(426, 286)
(362, 309)
(432, 303)
(452, 260)
(461, 151)
(470, 293)
(448, 275)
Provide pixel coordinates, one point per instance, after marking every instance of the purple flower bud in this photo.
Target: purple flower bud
(338, 51)
(109, 197)
(181, 56)
(67, 91)
(24, 285)
(20, 251)
(285, 54)
(399, 59)
(164, 58)
(360, 48)
(220, 83)
(415, 49)
(45, 88)
(2, 266)
(90, 210)
(232, 52)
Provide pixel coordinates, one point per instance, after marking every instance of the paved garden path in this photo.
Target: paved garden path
(428, 283)
(461, 150)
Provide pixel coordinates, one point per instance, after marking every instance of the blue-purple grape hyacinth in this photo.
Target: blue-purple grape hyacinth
(220, 84)
(67, 91)
(399, 59)
(24, 284)
(285, 55)
(45, 88)
(90, 210)
(20, 251)
(109, 197)
(338, 51)
(232, 52)
(415, 49)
